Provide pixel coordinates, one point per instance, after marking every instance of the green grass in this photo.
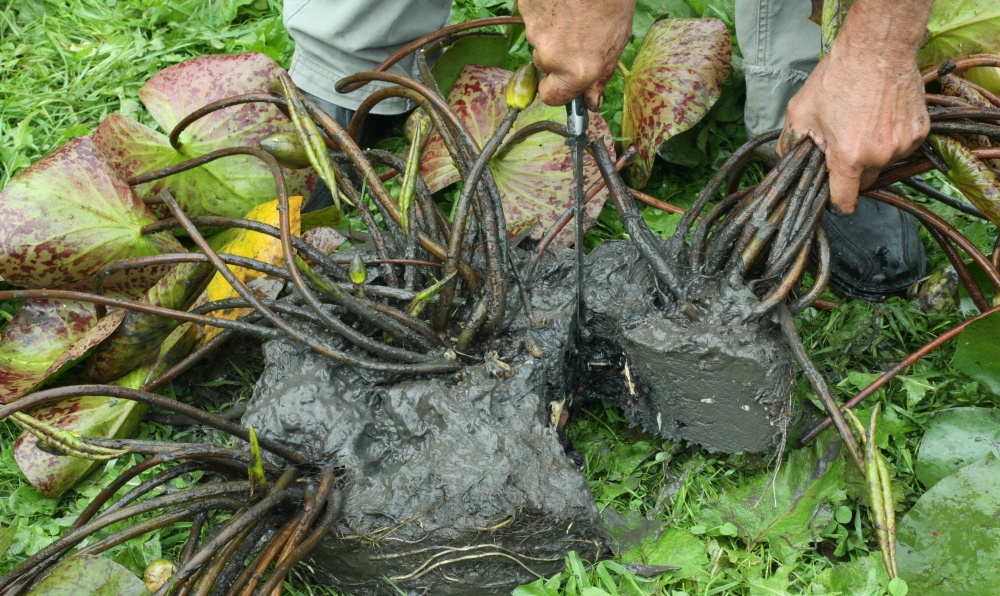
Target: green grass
(62, 71)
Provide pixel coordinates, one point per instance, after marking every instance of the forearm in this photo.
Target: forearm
(885, 29)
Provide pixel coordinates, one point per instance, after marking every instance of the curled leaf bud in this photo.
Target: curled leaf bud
(357, 270)
(522, 87)
(287, 149)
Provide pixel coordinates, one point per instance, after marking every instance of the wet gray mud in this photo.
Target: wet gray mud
(718, 382)
(454, 484)
(459, 484)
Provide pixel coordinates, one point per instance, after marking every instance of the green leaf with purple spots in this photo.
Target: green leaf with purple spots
(675, 79)
(230, 186)
(94, 416)
(977, 181)
(91, 575)
(535, 177)
(64, 218)
(43, 338)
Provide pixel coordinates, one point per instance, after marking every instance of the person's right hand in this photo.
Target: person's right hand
(864, 104)
(576, 44)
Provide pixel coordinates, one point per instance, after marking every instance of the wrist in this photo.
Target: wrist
(888, 31)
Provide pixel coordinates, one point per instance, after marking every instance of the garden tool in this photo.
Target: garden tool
(576, 125)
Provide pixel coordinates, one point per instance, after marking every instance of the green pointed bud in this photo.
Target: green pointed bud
(287, 149)
(417, 125)
(357, 271)
(522, 87)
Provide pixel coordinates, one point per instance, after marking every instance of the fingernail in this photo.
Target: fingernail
(600, 101)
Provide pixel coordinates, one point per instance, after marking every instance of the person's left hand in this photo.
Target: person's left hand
(576, 44)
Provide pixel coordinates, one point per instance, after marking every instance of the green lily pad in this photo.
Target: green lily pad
(961, 27)
(977, 181)
(535, 177)
(68, 215)
(675, 79)
(976, 354)
(43, 338)
(956, 438)
(90, 575)
(949, 542)
(790, 514)
(230, 186)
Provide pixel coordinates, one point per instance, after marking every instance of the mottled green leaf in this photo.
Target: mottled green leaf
(483, 50)
(140, 333)
(949, 542)
(977, 181)
(954, 439)
(675, 79)
(961, 27)
(89, 575)
(229, 186)
(976, 354)
(789, 515)
(535, 178)
(68, 215)
(44, 337)
(92, 416)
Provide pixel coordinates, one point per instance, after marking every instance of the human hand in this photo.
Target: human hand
(864, 105)
(576, 44)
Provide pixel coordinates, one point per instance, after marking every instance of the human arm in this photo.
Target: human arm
(864, 103)
(576, 44)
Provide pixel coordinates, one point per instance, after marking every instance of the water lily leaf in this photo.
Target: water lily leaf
(976, 352)
(975, 179)
(140, 333)
(93, 416)
(484, 50)
(90, 575)
(68, 215)
(535, 177)
(791, 514)
(949, 542)
(956, 438)
(961, 27)
(255, 245)
(229, 186)
(675, 79)
(43, 338)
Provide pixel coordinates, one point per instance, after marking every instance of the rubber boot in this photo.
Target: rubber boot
(875, 253)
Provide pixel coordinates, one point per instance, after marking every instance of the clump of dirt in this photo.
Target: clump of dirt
(722, 382)
(454, 484)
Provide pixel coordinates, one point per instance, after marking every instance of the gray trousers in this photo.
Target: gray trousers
(780, 48)
(337, 38)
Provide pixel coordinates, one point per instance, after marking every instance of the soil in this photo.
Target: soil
(455, 484)
(717, 382)
(459, 484)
